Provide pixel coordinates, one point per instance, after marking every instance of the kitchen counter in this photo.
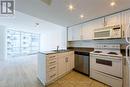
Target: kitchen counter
(81, 49)
(53, 65)
(54, 51)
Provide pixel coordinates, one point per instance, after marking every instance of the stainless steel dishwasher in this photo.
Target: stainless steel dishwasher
(82, 62)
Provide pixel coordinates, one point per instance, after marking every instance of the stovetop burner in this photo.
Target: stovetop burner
(97, 51)
(114, 53)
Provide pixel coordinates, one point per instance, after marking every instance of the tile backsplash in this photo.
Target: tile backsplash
(92, 43)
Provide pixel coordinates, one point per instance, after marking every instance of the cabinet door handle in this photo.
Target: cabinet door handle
(52, 56)
(52, 75)
(124, 61)
(104, 21)
(52, 67)
(66, 59)
(52, 62)
(123, 33)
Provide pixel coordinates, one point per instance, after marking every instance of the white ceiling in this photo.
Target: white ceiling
(58, 12)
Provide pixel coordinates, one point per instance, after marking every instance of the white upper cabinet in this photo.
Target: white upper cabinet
(88, 28)
(74, 33)
(125, 21)
(77, 32)
(70, 37)
(99, 23)
(85, 31)
(113, 20)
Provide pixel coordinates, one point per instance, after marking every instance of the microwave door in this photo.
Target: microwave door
(128, 34)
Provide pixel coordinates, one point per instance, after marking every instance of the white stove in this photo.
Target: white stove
(106, 64)
(108, 50)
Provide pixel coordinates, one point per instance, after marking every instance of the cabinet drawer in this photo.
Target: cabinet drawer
(52, 75)
(51, 57)
(52, 63)
(52, 68)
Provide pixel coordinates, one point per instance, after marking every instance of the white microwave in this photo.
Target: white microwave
(108, 32)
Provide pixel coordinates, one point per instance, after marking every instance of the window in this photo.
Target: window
(22, 43)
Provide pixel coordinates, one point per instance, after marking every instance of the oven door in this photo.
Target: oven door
(107, 64)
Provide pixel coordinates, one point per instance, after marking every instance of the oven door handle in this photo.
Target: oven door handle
(104, 62)
(112, 59)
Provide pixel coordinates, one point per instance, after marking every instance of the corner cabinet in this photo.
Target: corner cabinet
(88, 28)
(53, 66)
(113, 20)
(74, 33)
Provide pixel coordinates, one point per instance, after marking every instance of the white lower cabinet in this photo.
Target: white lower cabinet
(65, 62)
(61, 63)
(70, 64)
(53, 66)
(47, 68)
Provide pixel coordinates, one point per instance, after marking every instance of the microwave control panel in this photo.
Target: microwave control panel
(116, 32)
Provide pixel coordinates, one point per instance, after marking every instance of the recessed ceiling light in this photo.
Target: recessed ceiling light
(71, 7)
(81, 16)
(113, 3)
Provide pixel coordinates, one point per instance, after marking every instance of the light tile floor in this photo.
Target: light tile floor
(22, 72)
(75, 79)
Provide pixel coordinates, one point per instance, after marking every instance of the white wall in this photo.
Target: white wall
(51, 34)
(2, 43)
(52, 39)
